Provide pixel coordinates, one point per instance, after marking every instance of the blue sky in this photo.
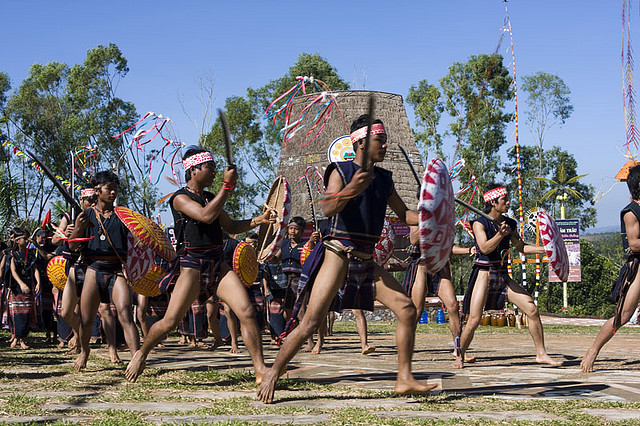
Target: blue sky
(247, 43)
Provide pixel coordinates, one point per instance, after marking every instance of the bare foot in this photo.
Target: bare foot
(268, 386)
(183, 340)
(160, 346)
(81, 361)
(73, 342)
(458, 363)
(467, 358)
(308, 348)
(317, 348)
(260, 373)
(587, 362)
(113, 356)
(368, 350)
(234, 349)
(546, 359)
(412, 387)
(216, 344)
(61, 345)
(136, 367)
(23, 345)
(14, 342)
(201, 344)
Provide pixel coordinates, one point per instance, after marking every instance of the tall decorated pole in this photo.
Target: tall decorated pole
(523, 262)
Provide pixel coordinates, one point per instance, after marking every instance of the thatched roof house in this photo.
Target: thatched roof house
(295, 158)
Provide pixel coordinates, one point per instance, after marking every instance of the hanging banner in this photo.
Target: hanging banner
(570, 231)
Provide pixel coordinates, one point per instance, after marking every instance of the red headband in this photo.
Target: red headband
(494, 194)
(87, 192)
(195, 159)
(361, 133)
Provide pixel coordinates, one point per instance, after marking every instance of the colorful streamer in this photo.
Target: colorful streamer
(145, 131)
(314, 114)
(628, 87)
(15, 150)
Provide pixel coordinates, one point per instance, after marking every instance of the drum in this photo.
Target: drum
(245, 263)
(56, 271)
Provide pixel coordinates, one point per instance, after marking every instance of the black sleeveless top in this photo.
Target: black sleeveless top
(191, 233)
(362, 218)
(496, 256)
(99, 246)
(635, 209)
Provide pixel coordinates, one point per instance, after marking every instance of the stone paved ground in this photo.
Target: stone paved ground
(505, 371)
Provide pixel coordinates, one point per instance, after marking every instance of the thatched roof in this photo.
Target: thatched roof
(295, 158)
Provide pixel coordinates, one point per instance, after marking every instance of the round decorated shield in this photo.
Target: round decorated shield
(56, 271)
(436, 216)
(270, 236)
(385, 245)
(147, 232)
(554, 245)
(304, 253)
(139, 259)
(245, 263)
(148, 284)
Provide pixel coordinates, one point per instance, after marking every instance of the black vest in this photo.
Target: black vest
(189, 232)
(635, 209)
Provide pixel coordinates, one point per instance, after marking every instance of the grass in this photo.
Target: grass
(26, 375)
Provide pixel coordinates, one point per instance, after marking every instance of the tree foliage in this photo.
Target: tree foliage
(256, 145)
(59, 109)
(559, 174)
(473, 95)
(548, 104)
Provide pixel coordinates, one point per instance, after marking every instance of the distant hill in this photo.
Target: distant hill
(603, 230)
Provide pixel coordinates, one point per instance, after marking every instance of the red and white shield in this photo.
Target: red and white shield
(554, 245)
(436, 216)
(139, 259)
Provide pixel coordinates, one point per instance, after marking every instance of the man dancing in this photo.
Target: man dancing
(200, 218)
(626, 291)
(355, 201)
(489, 283)
(105, 254)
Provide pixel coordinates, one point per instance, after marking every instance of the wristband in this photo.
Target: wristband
(227, 186)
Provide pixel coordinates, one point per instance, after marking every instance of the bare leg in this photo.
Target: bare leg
(606, 332)
(235, 295)
(70, 302)
(390, 293)
(419, 291)
(301, 313)
(141, 314)
(109, 325)
(124, 307)
(329, 279)
(88, 309)
(232, 325)
(186, 289)
(213, 321)
(523, 300)
(361, 328)
(322, 332)
(478, 300)
(332, 320)
(447, 294)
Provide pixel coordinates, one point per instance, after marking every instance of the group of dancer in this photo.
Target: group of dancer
(339, 272)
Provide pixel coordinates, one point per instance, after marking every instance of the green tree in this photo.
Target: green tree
(559, 170)
(548, 104)
(427, 104)
(473, 96)
(58, 110)
(256, 144)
